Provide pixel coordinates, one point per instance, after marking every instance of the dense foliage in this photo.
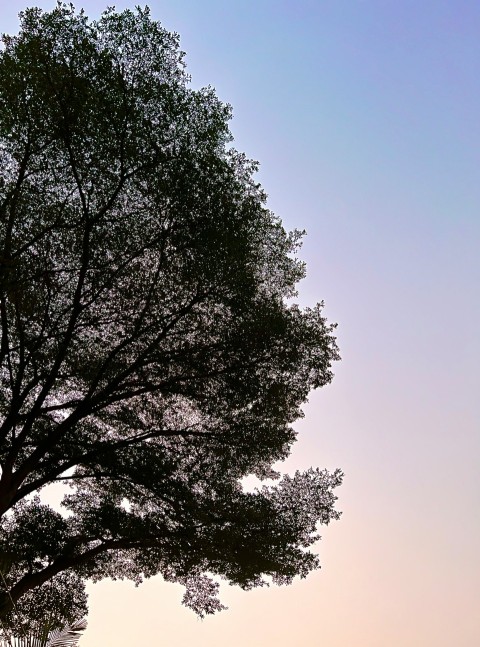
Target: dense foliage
(151, 355)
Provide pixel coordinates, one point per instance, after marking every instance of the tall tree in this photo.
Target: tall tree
(151, 355)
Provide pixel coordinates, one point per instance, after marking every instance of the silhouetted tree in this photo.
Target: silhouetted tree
(151, 355)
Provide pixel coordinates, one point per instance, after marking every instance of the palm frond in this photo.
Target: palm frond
(68, 636)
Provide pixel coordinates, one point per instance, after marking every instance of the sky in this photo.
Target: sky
(364, 116)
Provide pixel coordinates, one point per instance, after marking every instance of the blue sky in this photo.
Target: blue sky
(364, 116)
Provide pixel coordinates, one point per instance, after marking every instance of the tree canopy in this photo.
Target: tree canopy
(151, 354)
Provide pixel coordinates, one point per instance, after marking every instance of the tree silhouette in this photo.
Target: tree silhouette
(151, 353)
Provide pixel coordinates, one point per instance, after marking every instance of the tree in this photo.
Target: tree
(45, 614)
(151, 354)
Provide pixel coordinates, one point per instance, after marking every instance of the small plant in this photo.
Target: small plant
(66, 636)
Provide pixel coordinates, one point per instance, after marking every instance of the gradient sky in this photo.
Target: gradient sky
(364, 116)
